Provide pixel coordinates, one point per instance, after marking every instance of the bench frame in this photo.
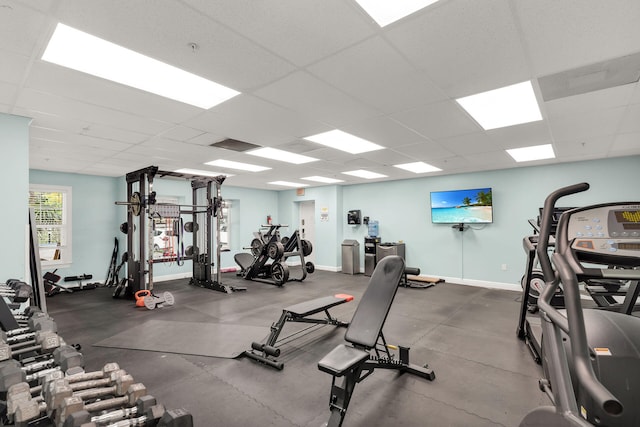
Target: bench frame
(267, 352)
(356, 361)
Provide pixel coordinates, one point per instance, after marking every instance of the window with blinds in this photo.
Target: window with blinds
(52, 211)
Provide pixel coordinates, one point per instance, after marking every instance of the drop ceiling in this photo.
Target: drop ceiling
(306, 66)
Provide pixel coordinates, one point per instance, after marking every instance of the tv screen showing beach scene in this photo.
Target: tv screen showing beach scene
(462, 206)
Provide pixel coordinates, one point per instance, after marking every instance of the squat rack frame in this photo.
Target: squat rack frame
(140, 199)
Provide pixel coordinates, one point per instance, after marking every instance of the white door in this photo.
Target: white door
(308, 225)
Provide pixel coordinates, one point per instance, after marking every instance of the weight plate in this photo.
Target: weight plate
(136, 204)
(150, 302)
(275, 250)
(284, 241)
(279, 273)
(310, 267)
(256, 247)
(307, 247)
(168, 298)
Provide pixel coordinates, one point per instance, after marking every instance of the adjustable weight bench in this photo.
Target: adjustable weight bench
(267, 352)
(367, 348)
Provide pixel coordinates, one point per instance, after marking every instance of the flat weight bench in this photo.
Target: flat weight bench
(267, 352)
(355, 361)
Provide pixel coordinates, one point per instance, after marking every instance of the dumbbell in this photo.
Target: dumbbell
(75, 403)
(84, 418)
(19, 292)
(43, 341)
(116, 384)
(21, 334)
(75, 376)
(67, 359)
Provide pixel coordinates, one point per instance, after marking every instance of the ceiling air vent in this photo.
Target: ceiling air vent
(602, 75)
(234, 145)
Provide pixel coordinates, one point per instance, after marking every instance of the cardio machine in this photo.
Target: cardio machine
(590, 357)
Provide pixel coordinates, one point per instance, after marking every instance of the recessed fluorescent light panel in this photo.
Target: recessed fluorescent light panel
(288, 184)
(284, 156)
(535, 152)
(386, 12)
(237, 165)
(83, 52)
(322, 179)
(201, 172)
(344, 141)
(418, 167)
(361, 173)
(507, 106)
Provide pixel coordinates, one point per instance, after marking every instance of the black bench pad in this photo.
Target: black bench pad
(341, 359)
(317, 305)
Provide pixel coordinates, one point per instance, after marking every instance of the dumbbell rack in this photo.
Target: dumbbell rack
(43, 381)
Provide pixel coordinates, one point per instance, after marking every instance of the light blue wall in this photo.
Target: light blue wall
(94, 220)
(14, 174)
(402, 207)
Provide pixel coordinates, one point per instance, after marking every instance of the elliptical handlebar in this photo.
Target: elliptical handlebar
(579, 345)
(545, 226)
(573, 323)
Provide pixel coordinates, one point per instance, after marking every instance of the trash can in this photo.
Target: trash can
(350, 257)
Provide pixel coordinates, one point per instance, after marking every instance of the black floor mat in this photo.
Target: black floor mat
(201, 339)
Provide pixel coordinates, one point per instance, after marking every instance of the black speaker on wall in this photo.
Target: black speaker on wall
(353, 217)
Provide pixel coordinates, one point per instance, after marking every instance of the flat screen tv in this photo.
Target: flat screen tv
(473, 206)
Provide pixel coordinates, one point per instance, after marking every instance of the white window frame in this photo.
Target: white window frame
(66, 250)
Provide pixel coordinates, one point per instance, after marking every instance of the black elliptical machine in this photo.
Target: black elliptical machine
(591, 357)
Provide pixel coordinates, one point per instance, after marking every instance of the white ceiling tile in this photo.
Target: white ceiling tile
(562, 35)
(524, 135)
(306, 94)
(439, 120)
(21, 27)
(75, 141)
(8, 91)
(307, 67)
(465, 47)
(626, 144)
(583, 148)
(206, 138)
(491, 159)
(586, 125)
(387, 157)
(631, 119)
(302, 31)
(426, 151)
(373, 64)
(164, 30)
(14, 67)
(71, 84)
(592, 101)
(69, 108)
(182, 133)
(471, 143)
(384, 131)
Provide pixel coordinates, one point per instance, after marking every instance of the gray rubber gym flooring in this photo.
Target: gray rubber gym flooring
(484, 374)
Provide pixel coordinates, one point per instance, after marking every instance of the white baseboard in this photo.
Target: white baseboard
(168, 277)
(480, 283)
(328, 268)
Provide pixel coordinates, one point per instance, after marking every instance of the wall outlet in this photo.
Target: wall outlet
(504, 267)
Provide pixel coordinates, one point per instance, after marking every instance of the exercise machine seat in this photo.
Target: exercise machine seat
(243, 259)
(342, 359)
